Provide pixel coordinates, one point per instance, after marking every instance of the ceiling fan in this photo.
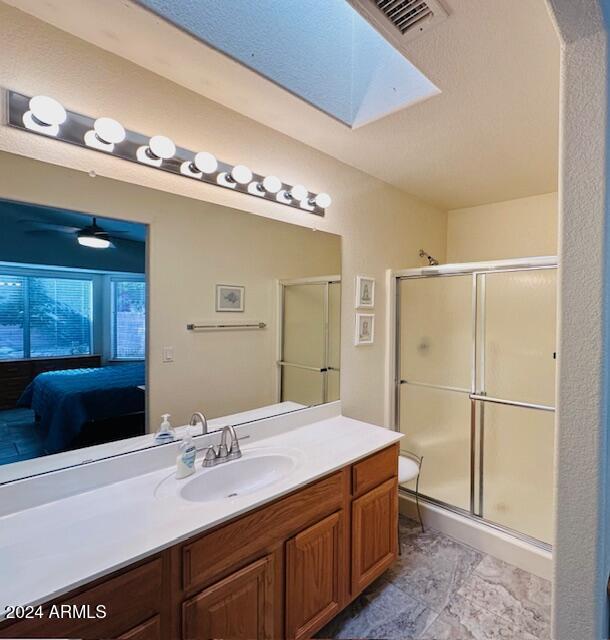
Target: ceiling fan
(93, 235)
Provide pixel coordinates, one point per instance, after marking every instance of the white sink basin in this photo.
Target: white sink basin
(255, 471)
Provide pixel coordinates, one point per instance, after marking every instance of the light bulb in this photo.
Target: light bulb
(271, 184)
(299, 192)
(93, 242)
(162, 147)
(323, 200)
(47, 111)
(205, 162)
(241, 174)
(109, 130)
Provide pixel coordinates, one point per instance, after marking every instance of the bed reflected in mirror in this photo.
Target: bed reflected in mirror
(72, 331)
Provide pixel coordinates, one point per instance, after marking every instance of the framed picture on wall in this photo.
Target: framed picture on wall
(365, 329)
(365, 292)
(230, 297)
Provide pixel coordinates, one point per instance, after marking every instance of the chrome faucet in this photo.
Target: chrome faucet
(199, 418)
(227, 449)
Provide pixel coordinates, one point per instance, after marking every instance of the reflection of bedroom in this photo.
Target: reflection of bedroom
(72, 330)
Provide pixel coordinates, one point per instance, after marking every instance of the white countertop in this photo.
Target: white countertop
(47, 550)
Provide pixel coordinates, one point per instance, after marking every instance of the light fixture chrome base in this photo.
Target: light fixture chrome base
(76, 127)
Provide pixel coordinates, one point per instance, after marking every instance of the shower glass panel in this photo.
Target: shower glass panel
(436, 330)
(302, 385)
(437, 426)
(436, 355)
(334, 341)
(304, 332)
(518, 357)
(517, 469)
(311, 341)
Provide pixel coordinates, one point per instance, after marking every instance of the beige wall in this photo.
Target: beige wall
(510, 229)
(381, 226)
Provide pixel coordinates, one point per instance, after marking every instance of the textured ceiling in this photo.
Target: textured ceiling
(491, 135)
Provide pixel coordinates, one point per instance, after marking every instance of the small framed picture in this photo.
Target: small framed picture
(230, 297)
(365, 292)
(365, 328)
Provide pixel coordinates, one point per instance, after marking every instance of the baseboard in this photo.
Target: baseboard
(484, 538)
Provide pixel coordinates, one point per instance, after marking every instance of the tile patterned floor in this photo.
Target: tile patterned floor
(441, 589)
(19, 436)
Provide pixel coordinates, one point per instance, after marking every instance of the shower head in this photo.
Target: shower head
(431, 260)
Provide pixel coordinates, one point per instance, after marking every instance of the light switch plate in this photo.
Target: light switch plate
(168, 354)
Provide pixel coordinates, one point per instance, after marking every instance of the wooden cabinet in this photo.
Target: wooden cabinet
(282, 570)
(240, 607)
(374, 533)
(110, 608)
(315, 568)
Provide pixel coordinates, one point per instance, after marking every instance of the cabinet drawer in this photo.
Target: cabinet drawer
(372, 471)
(11, 389)
(217, 552)
(15, 369)
(129, 599)
(149, 630)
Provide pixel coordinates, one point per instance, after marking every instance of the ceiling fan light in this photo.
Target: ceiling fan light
(93, 242)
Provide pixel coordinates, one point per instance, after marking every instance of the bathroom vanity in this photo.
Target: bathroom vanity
(281, 564)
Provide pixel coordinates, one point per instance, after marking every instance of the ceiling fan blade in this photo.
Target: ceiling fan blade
(50, 226)
(46, 232)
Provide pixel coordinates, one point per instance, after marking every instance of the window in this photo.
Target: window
(128, 319)
(12, 317)
(45, 317)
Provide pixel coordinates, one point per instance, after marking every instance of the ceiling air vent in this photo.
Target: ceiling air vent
(401, 20)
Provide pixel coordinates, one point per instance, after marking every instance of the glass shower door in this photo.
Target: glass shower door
(311, 342)
(334, 342)
(516, 398)
(436, 350)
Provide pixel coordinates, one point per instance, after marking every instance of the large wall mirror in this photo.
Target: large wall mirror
(107, 323)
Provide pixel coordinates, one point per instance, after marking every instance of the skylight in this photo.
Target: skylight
(320, 50)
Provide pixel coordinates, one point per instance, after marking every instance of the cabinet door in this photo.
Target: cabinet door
(374, 533)
(315, 568)
(239, 607)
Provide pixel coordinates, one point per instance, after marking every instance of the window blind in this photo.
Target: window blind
(12, 317)
(129, 319)
(60, 316)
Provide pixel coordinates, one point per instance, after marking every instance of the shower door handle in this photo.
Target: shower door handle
(511, 403)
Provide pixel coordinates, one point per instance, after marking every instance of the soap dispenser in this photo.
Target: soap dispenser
(185, 461)
(166, 432)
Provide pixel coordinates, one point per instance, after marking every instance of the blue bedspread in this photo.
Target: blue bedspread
(66, 400)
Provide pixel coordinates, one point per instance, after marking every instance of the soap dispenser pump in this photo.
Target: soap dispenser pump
(166, 432)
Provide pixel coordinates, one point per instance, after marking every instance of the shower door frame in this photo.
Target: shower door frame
(313, 280)
(474, 269)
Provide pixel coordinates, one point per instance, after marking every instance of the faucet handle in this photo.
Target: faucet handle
(210, 458)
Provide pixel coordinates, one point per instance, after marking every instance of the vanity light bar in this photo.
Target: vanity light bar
(46, 116)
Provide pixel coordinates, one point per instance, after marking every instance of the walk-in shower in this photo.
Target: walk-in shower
(475, 388)
(310, 340)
